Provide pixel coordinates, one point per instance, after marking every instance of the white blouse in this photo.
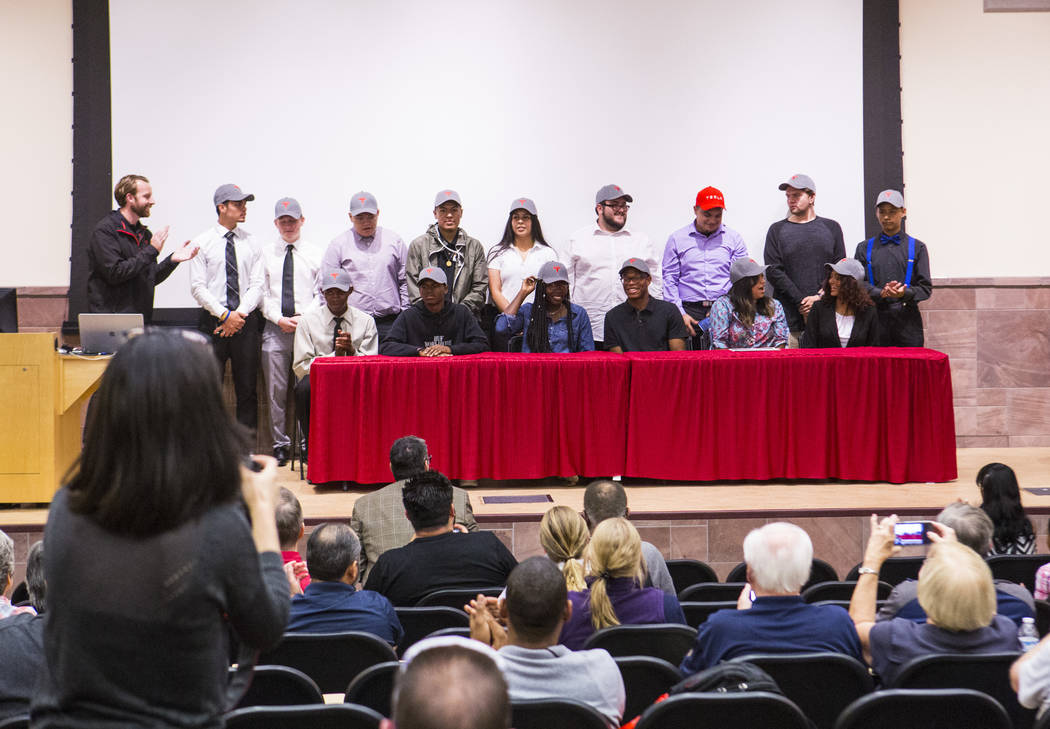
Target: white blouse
(514, 269)
(844, 323)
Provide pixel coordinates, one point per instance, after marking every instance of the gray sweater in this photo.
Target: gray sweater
(591, 677)
(796, 254)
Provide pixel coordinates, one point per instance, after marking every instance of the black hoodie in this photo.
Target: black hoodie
(416, 327)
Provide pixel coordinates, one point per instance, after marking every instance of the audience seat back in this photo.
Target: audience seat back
(988, 673)
(820, 684)
(667, 641)
(926, 708)
(724, 711)
(332, 660)
(279, 686)
(645, 679)
(555, 714)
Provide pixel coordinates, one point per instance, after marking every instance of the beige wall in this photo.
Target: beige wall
(975, 104)
(36, 177)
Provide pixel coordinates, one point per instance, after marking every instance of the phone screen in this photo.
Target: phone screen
(910, 533)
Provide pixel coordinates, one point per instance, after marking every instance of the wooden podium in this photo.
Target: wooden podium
(42, 396)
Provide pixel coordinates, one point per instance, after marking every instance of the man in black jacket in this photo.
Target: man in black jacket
(434, 326)
(122, 255)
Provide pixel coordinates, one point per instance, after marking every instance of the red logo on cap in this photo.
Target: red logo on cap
(632, 260)
(448, 193)
(285, 203)
(617, 188)
(557, 268)
(361, 199)
(235, 187)
(334, 274)
(521, 200)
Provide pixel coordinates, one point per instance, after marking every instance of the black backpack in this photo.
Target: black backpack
(729, 677)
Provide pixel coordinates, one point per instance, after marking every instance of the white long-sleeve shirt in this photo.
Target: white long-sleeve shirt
(315, 336)
(208, 271)
(594, 258)
(306, 265)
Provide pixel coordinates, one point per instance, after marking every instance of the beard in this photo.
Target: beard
(141, 210)
(612, 222)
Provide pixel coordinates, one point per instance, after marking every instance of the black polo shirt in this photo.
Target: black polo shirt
(644, 331)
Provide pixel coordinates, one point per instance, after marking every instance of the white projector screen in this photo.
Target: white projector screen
(548, 99)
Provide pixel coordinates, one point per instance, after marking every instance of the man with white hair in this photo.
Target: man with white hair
(779, 557)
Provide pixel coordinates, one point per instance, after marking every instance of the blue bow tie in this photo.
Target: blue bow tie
(884, 239)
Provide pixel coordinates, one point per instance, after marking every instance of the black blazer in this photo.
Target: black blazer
(822, 332)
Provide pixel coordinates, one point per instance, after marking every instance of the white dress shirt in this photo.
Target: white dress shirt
(594, 257)
(306, 265)
(513, 269)
(208, 271)
(315, 336)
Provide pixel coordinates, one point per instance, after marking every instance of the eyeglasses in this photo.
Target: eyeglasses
(617, 206)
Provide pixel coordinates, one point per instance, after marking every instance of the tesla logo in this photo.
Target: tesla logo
(285, 203)
(361, 199)
(557, 269)
(334, 274)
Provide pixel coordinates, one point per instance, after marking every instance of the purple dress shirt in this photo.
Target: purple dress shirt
(377, 270)
(696, 267)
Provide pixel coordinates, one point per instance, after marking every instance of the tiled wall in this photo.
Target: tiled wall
(996, 331)
(997, 334)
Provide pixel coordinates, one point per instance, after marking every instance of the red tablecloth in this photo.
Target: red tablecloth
(864, 414)
(857, 414)
(483, 416)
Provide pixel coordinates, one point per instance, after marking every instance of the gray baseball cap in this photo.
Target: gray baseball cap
(523, 203)
(363, 202)
(552, 271)
(638, 264)
(848, 267)
(287, 206)
(611, 192)
(799, 182)
(434, 274)
(744, 268)
(447, 196)
(892, 197)
(230, 192)
(336, 278)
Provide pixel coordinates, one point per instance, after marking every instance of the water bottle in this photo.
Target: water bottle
(1027, 635)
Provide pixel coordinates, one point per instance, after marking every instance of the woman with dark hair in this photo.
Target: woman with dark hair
(1001, 500)
(554, 323)
(519, 254)
(746, 318)
(149, 557)
(845, 315)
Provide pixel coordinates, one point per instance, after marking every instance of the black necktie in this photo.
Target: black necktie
(335, 333)
(233, 291)
(288, 285)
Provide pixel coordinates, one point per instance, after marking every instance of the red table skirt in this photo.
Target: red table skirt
(854, 414)
(858, 414)
(483, 416)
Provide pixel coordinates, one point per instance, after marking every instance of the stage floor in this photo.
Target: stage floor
(677, 500)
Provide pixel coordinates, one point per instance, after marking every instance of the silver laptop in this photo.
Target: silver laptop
(104, 333)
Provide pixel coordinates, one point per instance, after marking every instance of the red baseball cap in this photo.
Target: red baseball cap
(710, 197)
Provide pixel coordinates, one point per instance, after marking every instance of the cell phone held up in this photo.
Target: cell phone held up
(912, 533)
